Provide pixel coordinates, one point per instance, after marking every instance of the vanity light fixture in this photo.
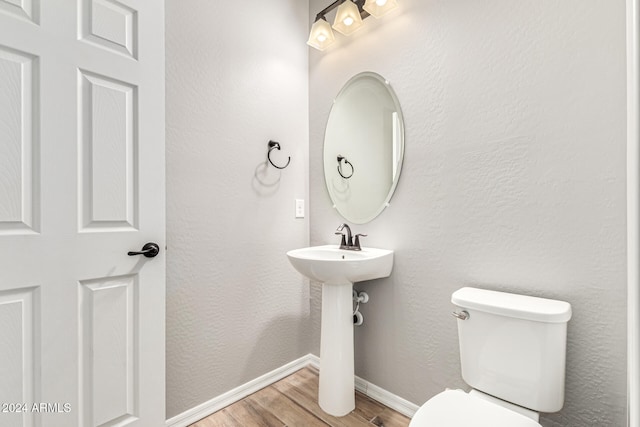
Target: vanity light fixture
(348, 19)
(321, 35)
(377, 8)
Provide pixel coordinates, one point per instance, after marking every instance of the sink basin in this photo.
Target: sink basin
(330, 264)
(338, 269)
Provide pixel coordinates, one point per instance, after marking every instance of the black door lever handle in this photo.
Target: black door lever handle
(149, 250)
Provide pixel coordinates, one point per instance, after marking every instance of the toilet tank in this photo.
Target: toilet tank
(513, 346)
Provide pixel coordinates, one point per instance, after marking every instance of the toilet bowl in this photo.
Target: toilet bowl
(512, 354)
(455, 408)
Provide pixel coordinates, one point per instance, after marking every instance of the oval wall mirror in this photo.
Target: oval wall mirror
(363, 147)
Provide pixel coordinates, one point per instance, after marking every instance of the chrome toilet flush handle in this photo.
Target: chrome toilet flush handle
(463, 315)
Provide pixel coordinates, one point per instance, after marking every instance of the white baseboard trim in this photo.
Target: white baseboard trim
(378, 394)
(387, 398)
(207, 408)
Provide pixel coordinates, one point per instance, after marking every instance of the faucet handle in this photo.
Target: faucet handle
(356, 244)
(343, 242)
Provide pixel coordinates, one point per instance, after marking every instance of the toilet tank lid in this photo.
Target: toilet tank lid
(512, 305)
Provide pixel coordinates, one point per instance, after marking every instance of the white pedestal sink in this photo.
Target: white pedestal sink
(337, 270)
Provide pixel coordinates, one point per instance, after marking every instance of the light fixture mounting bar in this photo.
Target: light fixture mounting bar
(359, 3)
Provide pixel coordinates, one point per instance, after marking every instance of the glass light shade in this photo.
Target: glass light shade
(347, 18)
(377, 8)
(321, 36)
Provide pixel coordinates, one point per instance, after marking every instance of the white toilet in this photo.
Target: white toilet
(512, 352)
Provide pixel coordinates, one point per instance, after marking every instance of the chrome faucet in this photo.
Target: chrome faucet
(348, 243)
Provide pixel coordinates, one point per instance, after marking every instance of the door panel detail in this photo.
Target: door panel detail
(19, 338)
(19, 173)
(108, 350)
(111, 25)
(23, 9)
(108, 154)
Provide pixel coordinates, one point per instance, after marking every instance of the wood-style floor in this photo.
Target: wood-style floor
(293, 402)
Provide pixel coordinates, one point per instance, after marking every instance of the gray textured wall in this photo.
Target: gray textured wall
(236, 77)
(514, 179)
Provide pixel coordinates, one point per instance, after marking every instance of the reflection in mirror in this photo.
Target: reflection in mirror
(365, 126)
(346, 162)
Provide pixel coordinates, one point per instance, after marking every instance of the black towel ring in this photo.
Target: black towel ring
(346, 162)
(276, 145)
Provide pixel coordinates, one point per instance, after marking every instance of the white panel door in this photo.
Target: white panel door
(81, 185)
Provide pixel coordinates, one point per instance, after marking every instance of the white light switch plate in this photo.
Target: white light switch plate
(299, 208)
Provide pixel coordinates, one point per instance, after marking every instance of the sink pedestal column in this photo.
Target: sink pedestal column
(336, 394)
